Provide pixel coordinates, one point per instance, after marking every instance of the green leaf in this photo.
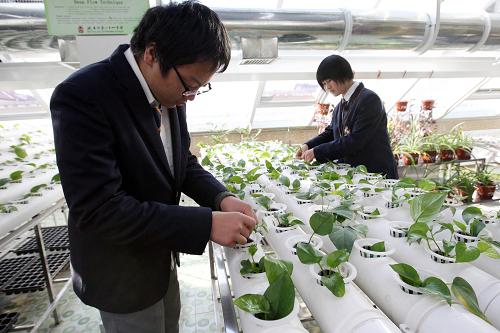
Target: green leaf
(360, 229)
(408, 274)
(376, 212)
(241, 163)
(37, 188)
(476, 227)
(235, 180)
(378, 247)
(460, 226)
(296, 185)
(264, 202)
(466, 296)
(334, 283)
(252, 249)
(361, 168)
(206, 161)
(447, 226)
(253, 304)
(448, 247)
(308, 254)
(417, 232)
(343, 211)
(321, 223)
(466, 254)
(4, 181)
(285, 181)
(436, 287)
(427, 206)
(16, 175)
(281, 297)
(427, 185)
(336, 258)
(488, 249)
(275, 267)
(56, 178)
(343, 237)
(20, 152)
(470, 213)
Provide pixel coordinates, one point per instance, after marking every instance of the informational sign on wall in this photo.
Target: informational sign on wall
(93, 17)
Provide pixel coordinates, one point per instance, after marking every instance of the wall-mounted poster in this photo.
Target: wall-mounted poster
(93, 17)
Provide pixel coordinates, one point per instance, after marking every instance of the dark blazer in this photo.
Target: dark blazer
(124, 217)
(366, 140)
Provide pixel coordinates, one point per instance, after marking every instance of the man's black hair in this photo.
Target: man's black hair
(183, 33)
(334, 68)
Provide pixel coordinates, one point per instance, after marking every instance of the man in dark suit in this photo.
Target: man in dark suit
(122, 147)
(358, 132)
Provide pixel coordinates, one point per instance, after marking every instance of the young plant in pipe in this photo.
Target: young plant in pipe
(332, 271)
(424, 210)
(473, 231)
(278, 299)
(249, 267)
(434, 286)
(290, 186)
(286, 222)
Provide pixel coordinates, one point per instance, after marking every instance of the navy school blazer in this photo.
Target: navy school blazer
(366, 140)
(124, 217)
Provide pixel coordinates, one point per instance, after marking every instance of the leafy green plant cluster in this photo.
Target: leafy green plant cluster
(278, 299)
(249, 266)
(460, 288)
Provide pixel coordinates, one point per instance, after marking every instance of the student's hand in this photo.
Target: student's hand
(231, 228)
(300, 152)
(308, 155)
(232, 204)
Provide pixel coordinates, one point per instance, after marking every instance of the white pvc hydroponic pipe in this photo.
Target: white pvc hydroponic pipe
(486, 286)
(420, 313)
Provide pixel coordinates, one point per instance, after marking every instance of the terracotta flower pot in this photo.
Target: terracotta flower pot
(485, 192)
(401, 106)
(322, 108)
(428, 104)
(429, 156)
(410, 161)
(446, 155)
(463, 193)
(462, 154)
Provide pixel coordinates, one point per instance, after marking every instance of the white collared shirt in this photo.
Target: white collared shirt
(165, 130)
(350, 91)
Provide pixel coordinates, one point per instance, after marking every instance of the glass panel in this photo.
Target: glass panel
(476, 108)
(227, 106)
(290, 91)
(389, 90)
(445, 92)
(283, 116)
(20, 103)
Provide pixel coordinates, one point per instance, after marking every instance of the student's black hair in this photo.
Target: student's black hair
(335, 68)
(183, 33)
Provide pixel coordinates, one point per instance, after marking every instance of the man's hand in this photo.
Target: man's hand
(231, 228)
(308, 155)
(234, 224)
(300, 152)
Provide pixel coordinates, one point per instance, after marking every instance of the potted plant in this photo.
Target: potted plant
(446, 147)
(7, 208)
(462, 143)
(462, 184)
(286, 222)
(410, 147)
(276, 304)
(410, 282)
(428, 104)
(485, 187)
(270, 208)
(430, 149)
(250, 269)
(331, 271)
(473, 228)
(401, 105)
(373, 248)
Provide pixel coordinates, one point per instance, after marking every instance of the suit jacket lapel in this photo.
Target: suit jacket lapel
(139, 107)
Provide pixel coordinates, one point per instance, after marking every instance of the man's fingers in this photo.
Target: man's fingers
(240, 239)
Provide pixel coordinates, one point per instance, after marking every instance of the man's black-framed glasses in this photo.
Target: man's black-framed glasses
(190, 93)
